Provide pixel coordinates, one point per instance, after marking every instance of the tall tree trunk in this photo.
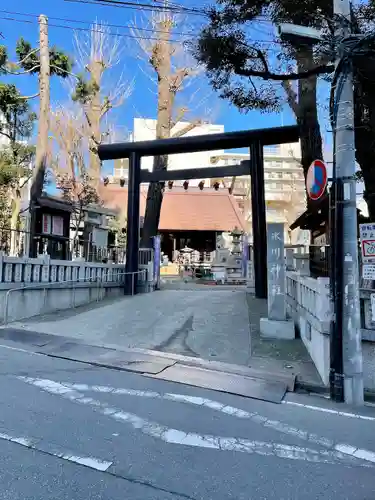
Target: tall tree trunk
(95, 115)
(307, 119)
(162, 63)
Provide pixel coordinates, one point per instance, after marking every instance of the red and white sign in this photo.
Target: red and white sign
(316, 180)
(368, 248)
(46, 224)
(367, 235)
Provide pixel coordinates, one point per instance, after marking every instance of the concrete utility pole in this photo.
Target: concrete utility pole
(344, 173)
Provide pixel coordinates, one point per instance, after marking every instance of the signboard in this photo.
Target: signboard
(316, 180)
(46, 224)
(367, 236)
(276, 271)
(368, 248)
(100, 237)
(368, 271)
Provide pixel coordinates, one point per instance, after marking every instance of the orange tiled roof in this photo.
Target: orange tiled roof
(191, 210)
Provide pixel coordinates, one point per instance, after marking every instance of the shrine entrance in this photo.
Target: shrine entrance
(254, 139)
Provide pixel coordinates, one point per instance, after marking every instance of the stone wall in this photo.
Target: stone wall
(29, 287)
(309, 304)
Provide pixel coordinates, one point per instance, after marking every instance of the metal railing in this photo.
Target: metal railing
(60, 284)
(14, 243)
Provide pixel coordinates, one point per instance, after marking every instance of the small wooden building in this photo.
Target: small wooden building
(189, 218)
(52, 228)
(317, 220)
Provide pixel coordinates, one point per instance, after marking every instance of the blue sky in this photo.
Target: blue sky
(142, 102)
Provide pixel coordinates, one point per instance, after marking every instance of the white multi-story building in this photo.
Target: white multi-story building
(144, 130)
(284, 186)
(283, 175)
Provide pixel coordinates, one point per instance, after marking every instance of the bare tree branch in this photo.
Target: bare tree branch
(98, 51)
(64, 71)
(181, 112)
(186, 129)
(269, 75)
(17, 73)
(32, 52)
(26, 97)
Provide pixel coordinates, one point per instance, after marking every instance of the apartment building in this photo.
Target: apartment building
(283, 182)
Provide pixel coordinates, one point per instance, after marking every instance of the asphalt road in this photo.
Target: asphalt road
(72, 431)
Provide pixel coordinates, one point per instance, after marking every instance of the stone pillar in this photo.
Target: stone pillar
(289, 252)
(276, 272)
(302, 264)
(276, 325)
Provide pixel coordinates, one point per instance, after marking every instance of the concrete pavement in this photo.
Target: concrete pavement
(69, 430)
(207, 323)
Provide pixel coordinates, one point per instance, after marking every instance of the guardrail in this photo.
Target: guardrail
(60, 284)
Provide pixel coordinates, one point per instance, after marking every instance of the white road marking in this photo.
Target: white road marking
(333, 412)
(369, 456)
(20, 350)
(91, 462)
(16, 439)
(176, 436)
(213, 405)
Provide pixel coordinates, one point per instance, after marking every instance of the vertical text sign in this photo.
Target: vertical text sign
(276, 272)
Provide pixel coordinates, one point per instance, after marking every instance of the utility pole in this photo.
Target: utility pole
(43, 125)
(344, 171)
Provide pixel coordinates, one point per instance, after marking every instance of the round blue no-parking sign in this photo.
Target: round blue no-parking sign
(316, 180)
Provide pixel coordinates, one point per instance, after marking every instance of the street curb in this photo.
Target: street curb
(301, 386)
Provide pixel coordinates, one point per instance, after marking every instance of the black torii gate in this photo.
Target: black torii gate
(254, 139)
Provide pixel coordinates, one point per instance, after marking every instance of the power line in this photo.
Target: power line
(173, 4)
(81, 21)
(76, 28)
(150, 7)
(143, 6)
(109, 33)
